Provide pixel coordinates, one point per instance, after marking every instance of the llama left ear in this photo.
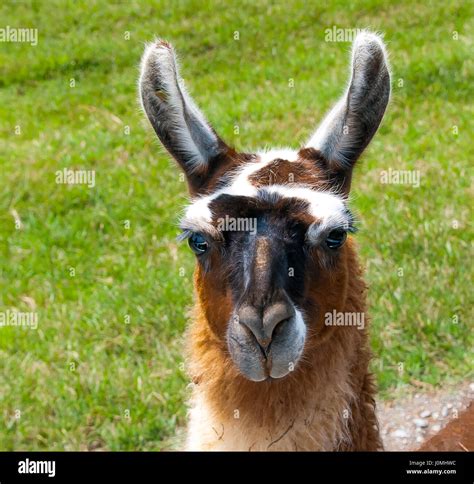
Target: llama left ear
(351, 124)
(178, 122)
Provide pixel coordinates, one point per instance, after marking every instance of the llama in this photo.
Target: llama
(269, 370)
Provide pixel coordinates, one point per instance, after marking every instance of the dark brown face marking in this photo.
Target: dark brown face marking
(310, 169)
(283, 172)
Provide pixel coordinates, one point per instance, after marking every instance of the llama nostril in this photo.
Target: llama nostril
(249, 317)
(275, 316)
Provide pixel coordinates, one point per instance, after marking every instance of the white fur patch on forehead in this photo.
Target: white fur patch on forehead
(328, 209)
(268, 156)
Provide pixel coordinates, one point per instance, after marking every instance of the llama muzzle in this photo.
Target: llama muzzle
(266, 343)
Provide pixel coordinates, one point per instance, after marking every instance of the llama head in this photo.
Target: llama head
(268, 229)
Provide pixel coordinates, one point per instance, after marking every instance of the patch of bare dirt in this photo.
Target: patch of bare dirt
(415, 416)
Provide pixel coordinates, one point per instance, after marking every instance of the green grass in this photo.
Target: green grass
(75, 378)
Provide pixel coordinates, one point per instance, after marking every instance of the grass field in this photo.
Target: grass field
(101, 267)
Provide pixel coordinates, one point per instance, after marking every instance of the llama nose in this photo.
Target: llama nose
(263, 326)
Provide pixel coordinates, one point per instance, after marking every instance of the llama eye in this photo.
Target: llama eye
(198, 244)
(336, 238)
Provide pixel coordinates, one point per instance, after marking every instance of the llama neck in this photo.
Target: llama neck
(315, 408)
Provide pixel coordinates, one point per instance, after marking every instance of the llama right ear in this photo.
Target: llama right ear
(351, 124)
(176, 119)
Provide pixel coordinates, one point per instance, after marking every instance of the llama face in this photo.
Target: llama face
(268, 229)
(260, 238)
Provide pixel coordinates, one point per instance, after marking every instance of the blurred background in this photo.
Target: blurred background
(98, 266)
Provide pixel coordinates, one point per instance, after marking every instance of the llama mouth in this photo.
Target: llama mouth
(270, 379)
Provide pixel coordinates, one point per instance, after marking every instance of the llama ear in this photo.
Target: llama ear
(176, 119)
(348, 128)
